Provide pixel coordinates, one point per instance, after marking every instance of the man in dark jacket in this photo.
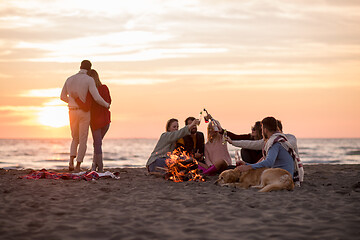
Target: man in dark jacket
(194, 143)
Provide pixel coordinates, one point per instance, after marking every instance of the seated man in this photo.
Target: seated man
(278, 152)
(194, 143)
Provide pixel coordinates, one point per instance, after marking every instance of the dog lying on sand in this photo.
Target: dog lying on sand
(266, 179)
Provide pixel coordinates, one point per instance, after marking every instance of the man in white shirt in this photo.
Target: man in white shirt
(79, 85)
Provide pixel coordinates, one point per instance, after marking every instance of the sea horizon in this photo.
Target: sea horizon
(53, 153)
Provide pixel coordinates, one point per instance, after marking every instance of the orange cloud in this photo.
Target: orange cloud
(163, 59)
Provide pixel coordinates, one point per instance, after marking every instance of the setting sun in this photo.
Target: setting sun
(54, 116)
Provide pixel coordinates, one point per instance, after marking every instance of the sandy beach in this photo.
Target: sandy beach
(138, 206)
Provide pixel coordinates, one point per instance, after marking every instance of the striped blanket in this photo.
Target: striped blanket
(88, 176)
(298, 176)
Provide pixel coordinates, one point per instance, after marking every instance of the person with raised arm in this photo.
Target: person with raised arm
(193, 144)
(167, 143)
(259, 144)
(248, 155)
(217, 157)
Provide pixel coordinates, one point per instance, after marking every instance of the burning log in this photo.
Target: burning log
(181, 167)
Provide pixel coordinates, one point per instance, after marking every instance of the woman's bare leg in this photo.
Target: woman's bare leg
(221, 165)
(203, 165)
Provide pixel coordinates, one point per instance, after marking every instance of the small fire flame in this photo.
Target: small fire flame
(181, 167)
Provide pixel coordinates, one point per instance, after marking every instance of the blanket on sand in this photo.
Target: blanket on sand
(88, 176)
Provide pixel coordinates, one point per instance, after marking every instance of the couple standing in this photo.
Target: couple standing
(89, 102)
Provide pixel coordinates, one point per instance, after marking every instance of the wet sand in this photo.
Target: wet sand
(138, 206)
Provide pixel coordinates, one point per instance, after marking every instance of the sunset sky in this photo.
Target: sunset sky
(298, 61)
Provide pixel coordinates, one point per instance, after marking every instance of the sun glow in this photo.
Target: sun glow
(54, 116)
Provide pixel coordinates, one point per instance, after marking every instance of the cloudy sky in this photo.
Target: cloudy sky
(243, 60)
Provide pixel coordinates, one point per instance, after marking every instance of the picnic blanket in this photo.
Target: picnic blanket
(88, 176)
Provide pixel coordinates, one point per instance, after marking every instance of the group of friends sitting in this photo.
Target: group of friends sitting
(266, 146)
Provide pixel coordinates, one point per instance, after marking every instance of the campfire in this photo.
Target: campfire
(181, 167)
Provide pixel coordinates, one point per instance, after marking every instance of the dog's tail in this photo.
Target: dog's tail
(285, 182)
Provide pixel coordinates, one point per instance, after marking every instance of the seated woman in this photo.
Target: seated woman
(249, 155)
(258, 145)
(217, 157)
(167, 142)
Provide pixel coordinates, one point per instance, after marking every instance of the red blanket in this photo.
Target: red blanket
(43, 173)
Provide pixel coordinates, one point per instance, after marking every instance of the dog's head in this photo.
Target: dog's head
(228, 176)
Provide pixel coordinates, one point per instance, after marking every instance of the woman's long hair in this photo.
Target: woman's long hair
(212, 134)
(258, 130)
(93, 73)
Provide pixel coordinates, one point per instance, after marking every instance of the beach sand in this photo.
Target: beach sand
(138, 206)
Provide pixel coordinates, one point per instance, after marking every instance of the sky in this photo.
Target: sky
(298, 61)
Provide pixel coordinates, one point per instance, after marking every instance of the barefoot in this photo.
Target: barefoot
(71, 164)
(77, 168)
(71, 168)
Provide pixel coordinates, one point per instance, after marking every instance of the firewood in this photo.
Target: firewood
(162, 169)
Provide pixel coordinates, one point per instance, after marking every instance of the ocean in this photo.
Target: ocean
(54, 153)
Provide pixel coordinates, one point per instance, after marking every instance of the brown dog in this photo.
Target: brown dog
(267, 179)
